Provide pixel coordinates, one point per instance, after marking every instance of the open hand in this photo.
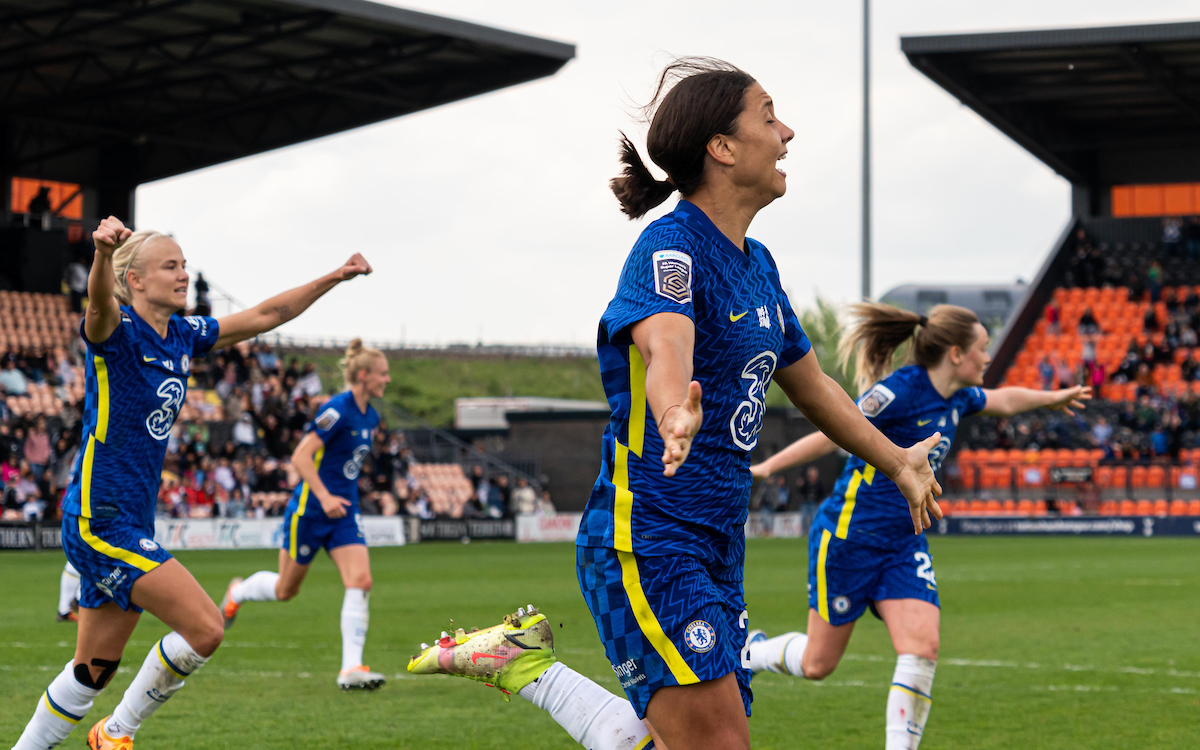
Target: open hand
(1071, 398)
(678, 427)
(918, 484)
(357, 265)
(109, 236)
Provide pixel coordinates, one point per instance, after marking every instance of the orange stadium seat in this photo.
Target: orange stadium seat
(1160, 507)
(1145, 507)
(1194, 507)
(1128, 507)
(1179, 507)
(1109, 508)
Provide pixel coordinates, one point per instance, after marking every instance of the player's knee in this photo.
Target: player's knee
(208, 636)
(816, 667)
(928, 649)
(285, 592)
(362, 581)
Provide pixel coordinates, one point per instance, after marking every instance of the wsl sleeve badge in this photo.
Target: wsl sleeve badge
(700, 636)
(876, 400)
(327, 419)
(673, 275)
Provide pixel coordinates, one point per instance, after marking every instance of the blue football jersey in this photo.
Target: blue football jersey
(135, 383)
(745, 329)
(345, 432)
(868, 508)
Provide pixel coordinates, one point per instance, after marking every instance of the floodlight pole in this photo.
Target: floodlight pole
(866, 153)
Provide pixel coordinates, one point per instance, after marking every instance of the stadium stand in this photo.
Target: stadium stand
(229, 451)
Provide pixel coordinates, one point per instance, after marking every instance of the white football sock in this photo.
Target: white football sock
(259, 587)
(594, 717)
(782, 654)
(162, 674)
(68, 588)
(355, 619)
(59, 710)
(909, 701)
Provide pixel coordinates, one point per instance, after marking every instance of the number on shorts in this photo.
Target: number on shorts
(925, 567)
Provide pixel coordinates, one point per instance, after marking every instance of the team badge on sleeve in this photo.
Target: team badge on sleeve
(876, 400)
(673, 275)
(327, 419)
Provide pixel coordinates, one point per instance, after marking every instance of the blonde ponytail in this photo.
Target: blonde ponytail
(127, 257)
(876, 331)
(357, 359)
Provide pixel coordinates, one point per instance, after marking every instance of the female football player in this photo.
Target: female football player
(139, 355)
(697, 331)
(860, 553)
(323, 511)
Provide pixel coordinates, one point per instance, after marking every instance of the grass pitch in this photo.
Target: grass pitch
(1046, 643)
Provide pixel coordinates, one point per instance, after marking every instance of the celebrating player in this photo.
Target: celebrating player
(697, 330)
(860, 553)
(139, 355)
(323, 512)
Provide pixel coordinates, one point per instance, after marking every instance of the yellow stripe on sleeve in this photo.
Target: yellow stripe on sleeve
(822, 588)
(304, 493)
(101, 398)
(292, 535)
(637, 401)
(647, 621)
(104, 548)
(623, 503)
(866, 475)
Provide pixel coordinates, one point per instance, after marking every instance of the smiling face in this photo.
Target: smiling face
(974, 360)
(161, 276)
(375, 379)
(759, 146)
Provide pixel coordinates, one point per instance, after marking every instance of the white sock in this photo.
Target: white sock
(909, 701)
(355, 618)
(259, 587)
(59, 710)
(162, 674)
(782, 654)
(594, 717)
(68, 587)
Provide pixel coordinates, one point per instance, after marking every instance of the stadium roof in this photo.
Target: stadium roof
(1101, 106)
(120, 92)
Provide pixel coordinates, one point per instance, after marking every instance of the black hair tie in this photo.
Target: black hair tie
(924, 321)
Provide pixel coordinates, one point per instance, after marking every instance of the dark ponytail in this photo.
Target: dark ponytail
(703, 98)
(876, 331)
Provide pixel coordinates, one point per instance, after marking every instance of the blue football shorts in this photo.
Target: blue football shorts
(304, 536)
(844, 578)
(110, 554)
(664, 621)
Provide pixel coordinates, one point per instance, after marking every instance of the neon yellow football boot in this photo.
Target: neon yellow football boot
(507, 656)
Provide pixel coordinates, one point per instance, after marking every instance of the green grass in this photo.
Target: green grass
(1047, 643)
(427, 386)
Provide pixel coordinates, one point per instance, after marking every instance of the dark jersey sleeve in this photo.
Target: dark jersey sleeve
(205, 332)
(329, 423)
(654, 280)
(974, 400)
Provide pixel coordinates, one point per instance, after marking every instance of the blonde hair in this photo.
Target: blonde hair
(358, 358)
(877, 330)
(127, 257)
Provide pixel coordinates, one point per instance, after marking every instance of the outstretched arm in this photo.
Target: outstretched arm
(306, 467)
(103, 314)
(283, 307)
(805, 450)
(665, 342)
(1005, 402)
(833, 412)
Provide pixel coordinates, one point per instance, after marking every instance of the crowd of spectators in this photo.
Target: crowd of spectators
(229, 452)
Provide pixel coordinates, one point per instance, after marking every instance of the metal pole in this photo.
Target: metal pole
(866, 153)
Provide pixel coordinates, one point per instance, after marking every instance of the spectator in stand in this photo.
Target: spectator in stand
(309, 384)
(1192, 238)
(524, 498)
(1154, 281)
(12, 380)
(1087, 323)
(1188, 368)
(1052, 315)
(40, 204)
(1172, 235)
(810, 493)
(267, 360)
(545, 504)
(37, 449)
(500, 495)
(1066, 377)
(418, 506)
(1046, 373)
(244, 434)
(76, 277)
(203, 305)
(1096, 371)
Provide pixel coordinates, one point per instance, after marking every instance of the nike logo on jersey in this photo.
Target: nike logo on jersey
(735, 318)
(923, 422)
(147, 359)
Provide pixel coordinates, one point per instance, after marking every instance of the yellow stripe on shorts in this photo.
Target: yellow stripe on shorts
(649, 624)
(126, 556)
(822, 588)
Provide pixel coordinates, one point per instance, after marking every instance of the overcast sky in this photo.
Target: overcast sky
(491, 219)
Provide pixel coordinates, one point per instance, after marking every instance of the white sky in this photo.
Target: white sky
(491, 219)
